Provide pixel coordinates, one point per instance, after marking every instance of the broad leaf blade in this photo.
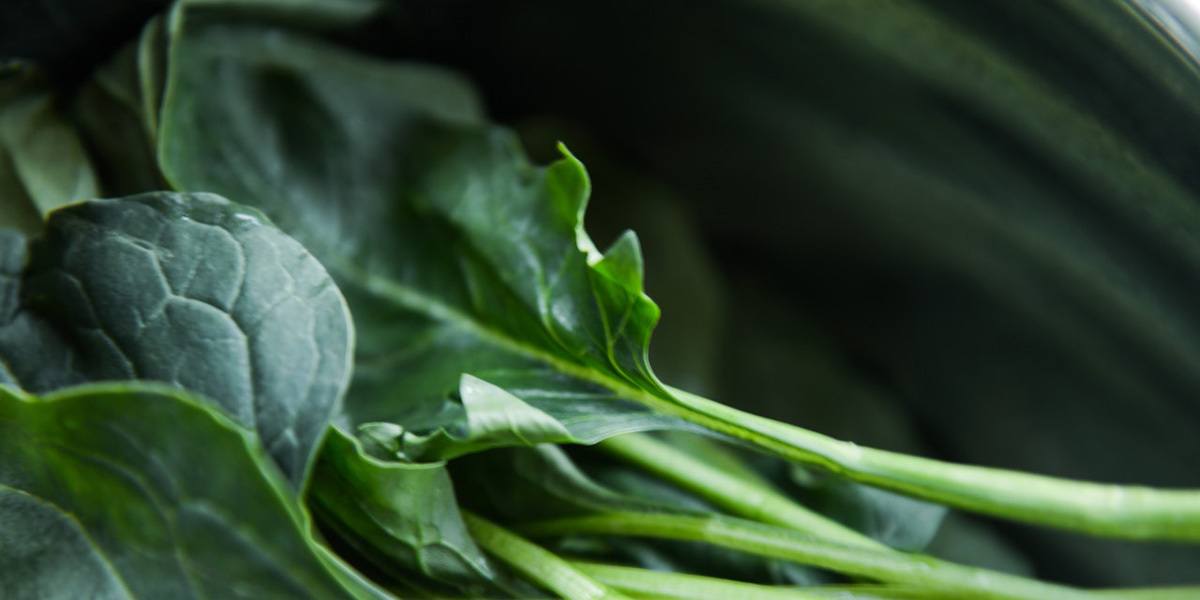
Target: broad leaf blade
(490, 417)
(396, 513)
(188, 289)
(119, 464)
(404, 211)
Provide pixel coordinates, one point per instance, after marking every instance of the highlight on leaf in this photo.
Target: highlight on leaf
(285, 312)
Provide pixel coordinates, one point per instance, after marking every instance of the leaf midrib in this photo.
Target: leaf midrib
(796, 444)
(414, 299)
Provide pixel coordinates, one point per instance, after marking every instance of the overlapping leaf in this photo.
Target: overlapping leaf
(460, 257)
(396, 513)
(544, 482)
(188, 289)
(991, 206)
(42, 162)
(104, 495)
(457, 255)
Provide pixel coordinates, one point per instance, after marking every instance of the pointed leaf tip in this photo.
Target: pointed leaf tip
(623, 263)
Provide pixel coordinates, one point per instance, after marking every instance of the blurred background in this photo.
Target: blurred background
(968, 230)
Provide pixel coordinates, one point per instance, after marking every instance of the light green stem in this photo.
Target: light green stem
(538, 564)
(740, 496)
(933, 575)
(1132, 512)
(645, 583)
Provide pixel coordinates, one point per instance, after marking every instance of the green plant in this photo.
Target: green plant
(315, 185)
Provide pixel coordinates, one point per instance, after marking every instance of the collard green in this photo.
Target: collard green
(117, 503)
(538, 288)
(187, 289)
(1001, 241)
(404, 208)
(397, 513)
(492, 417)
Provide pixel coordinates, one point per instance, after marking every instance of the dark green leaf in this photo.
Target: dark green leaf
(396, 513)
(42, 164)
(544, 482)
(403, 208)
(680, 274)
(188, 289)
(103, 494)
(493, 417)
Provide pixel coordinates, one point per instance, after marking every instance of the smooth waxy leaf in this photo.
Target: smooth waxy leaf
(135, 490)
(457, 255)
(42, 163)
(396, 513)
(490, 417)
(544, 482)
(187, 289)
(679, 271)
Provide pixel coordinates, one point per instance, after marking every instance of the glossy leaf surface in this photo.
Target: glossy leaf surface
(397, 513)
(103, 495)
(404, 209)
